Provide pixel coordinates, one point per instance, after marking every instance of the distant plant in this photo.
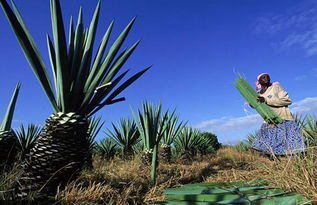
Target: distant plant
(209, 143)
(152, 123)
(94, 128)
(188, 142)
(173, 129)
(138, 148)
(241, 146)
(26, 138)
(150, 126)
(308, 124)
(245, 145)
(106, 148)
(251, 137)
(126, 135)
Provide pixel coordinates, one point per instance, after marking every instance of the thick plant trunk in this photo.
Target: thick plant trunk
(127, 154)
(88, 161)
(57, 156)
(165, 154)
(7, 150)
(146, 158)
(186, 157)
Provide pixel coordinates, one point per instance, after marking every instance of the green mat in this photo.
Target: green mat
(257, 192)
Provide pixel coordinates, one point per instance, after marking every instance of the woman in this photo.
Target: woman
(283, 138)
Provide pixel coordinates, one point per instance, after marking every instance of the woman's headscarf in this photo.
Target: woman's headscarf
(257, 83)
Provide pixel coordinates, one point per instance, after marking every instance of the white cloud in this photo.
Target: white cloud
(315, 71)
(296, 27)
(304, 40)
(305, 106)
(298, 38)
(302, 107)
(295, 18)
(300, 77)
(212, 123)
(229, 123)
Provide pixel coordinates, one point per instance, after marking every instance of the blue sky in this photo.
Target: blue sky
(196, 48)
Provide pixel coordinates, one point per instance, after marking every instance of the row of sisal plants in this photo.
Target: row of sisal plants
(125, 139)
(155, 135)
(83, 82)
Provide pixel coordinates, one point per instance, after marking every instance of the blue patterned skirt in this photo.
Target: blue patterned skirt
(283, 139)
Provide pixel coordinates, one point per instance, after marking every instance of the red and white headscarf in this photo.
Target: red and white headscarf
(257, 83)
(258, 86)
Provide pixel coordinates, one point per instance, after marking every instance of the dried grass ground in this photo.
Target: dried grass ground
(128, 182)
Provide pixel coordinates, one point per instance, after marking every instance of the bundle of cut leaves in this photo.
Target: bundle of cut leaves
(231, 193)
(250, 95)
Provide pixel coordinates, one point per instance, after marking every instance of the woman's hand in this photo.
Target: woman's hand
(260, 99)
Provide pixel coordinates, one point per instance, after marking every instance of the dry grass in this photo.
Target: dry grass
(121, 181)
(128, 182)
(7, 178)
(298, 173)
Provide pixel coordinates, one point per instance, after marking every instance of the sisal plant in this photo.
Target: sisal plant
(83, 83)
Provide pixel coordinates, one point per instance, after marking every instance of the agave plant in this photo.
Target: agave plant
(151, 125)
(106, 148)
(94, 128)
(241, 146)
(187, 142)
(83, 85)
(126, 135)
(308, 126)
(246, 144)
(208, 144)
(7, 137)
(26, 138)
(138, 148)
(171, 132)
(250, 137)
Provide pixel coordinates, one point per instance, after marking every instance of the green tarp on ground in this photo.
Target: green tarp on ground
(246, 193)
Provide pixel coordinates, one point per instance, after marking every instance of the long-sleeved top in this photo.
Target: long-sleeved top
(277, 98)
